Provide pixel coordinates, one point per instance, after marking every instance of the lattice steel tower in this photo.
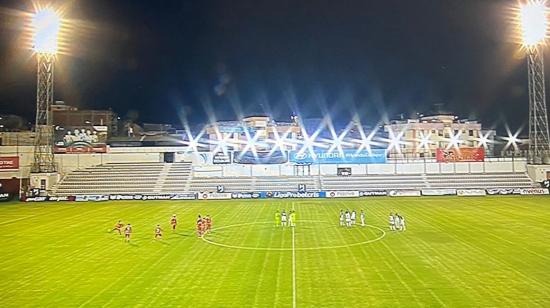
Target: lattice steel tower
(43, 143)
(539, 141)
(46, 24)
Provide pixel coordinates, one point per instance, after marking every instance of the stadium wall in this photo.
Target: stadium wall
(203, 167)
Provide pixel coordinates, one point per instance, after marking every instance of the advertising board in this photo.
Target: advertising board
(404, 193)
(9, 163)
(438, 192)
(462, 154)
(471, 192)
(342, 194)
(376, 156)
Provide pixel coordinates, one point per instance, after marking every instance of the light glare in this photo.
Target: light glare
(46, 24)
(533, 22)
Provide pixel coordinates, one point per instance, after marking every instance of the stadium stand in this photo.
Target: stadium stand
(164, 178)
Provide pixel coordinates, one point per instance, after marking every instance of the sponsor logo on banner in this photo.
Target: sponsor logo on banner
(533, 191)
(5, 197)
(471, 192)
(265, 158)
(63, 198)
(221, 158)
(373, 193)
(462, 154)
(189, 196)
(36, 199)
(438, 192)
(342, 194)
(245, 195)
(404, 193)
(123, 197)
(91, 198)
(9, 163)
(156, 197)
(291, 194)
(503, 191)
(214, 196)
(376, 156)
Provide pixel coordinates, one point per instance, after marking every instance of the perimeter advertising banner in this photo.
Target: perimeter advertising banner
(9, 163)
(460, 155)
(250, 158)
(376, 156)
(89, 139)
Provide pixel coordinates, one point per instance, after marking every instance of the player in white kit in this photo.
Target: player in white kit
(403, 226)
(283, 218)
(342, 218)
(362, 216)
(392, 222)
(348, 219)
(397, 222)
(353, 217)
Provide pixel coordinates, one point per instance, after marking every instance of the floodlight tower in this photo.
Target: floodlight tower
(46, 24)
(533, 15)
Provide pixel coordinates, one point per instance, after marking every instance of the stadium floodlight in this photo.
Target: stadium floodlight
(46, 24)
(338, 140)
(395, 141)
(484, 140)
(425, 140)
(533, 21)
(250, 143)
(512, 140)
(279, 142)
(454, 141)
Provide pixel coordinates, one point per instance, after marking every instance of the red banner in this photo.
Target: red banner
(9, 163)
(101, 148)
(460, 155)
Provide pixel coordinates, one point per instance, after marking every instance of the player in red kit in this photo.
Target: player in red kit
(158, 232)
(118, 227)
(200, 226)
(208, 223)
(173, 222)
(127, 232)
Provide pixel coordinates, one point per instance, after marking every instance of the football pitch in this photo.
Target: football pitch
(468, 252)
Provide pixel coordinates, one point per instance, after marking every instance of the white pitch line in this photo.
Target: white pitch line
(17, 219)
(383, 234)
(293, 264)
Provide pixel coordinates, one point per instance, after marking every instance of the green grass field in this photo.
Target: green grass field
(471, 252)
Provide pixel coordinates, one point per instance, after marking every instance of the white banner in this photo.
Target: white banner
(214, 196)
(404, 193)
(533, 191)
(342, 194)
(438, 192)
(471, 192)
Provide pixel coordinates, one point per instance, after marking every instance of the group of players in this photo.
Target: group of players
(397, 222)
(349, 218)
(285, 220)
(203, 225)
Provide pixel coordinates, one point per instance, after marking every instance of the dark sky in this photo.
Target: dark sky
(166, 59)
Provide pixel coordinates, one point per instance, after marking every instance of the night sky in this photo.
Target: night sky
(169, 60)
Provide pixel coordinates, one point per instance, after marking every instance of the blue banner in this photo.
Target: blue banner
(376, 156)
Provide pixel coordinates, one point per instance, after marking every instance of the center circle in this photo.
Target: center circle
(205, 238)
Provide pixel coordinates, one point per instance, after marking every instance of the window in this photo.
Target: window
(471, 133)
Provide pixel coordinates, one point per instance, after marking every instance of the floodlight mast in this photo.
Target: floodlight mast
(46, 27)
(539, 141)
(534, 24)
